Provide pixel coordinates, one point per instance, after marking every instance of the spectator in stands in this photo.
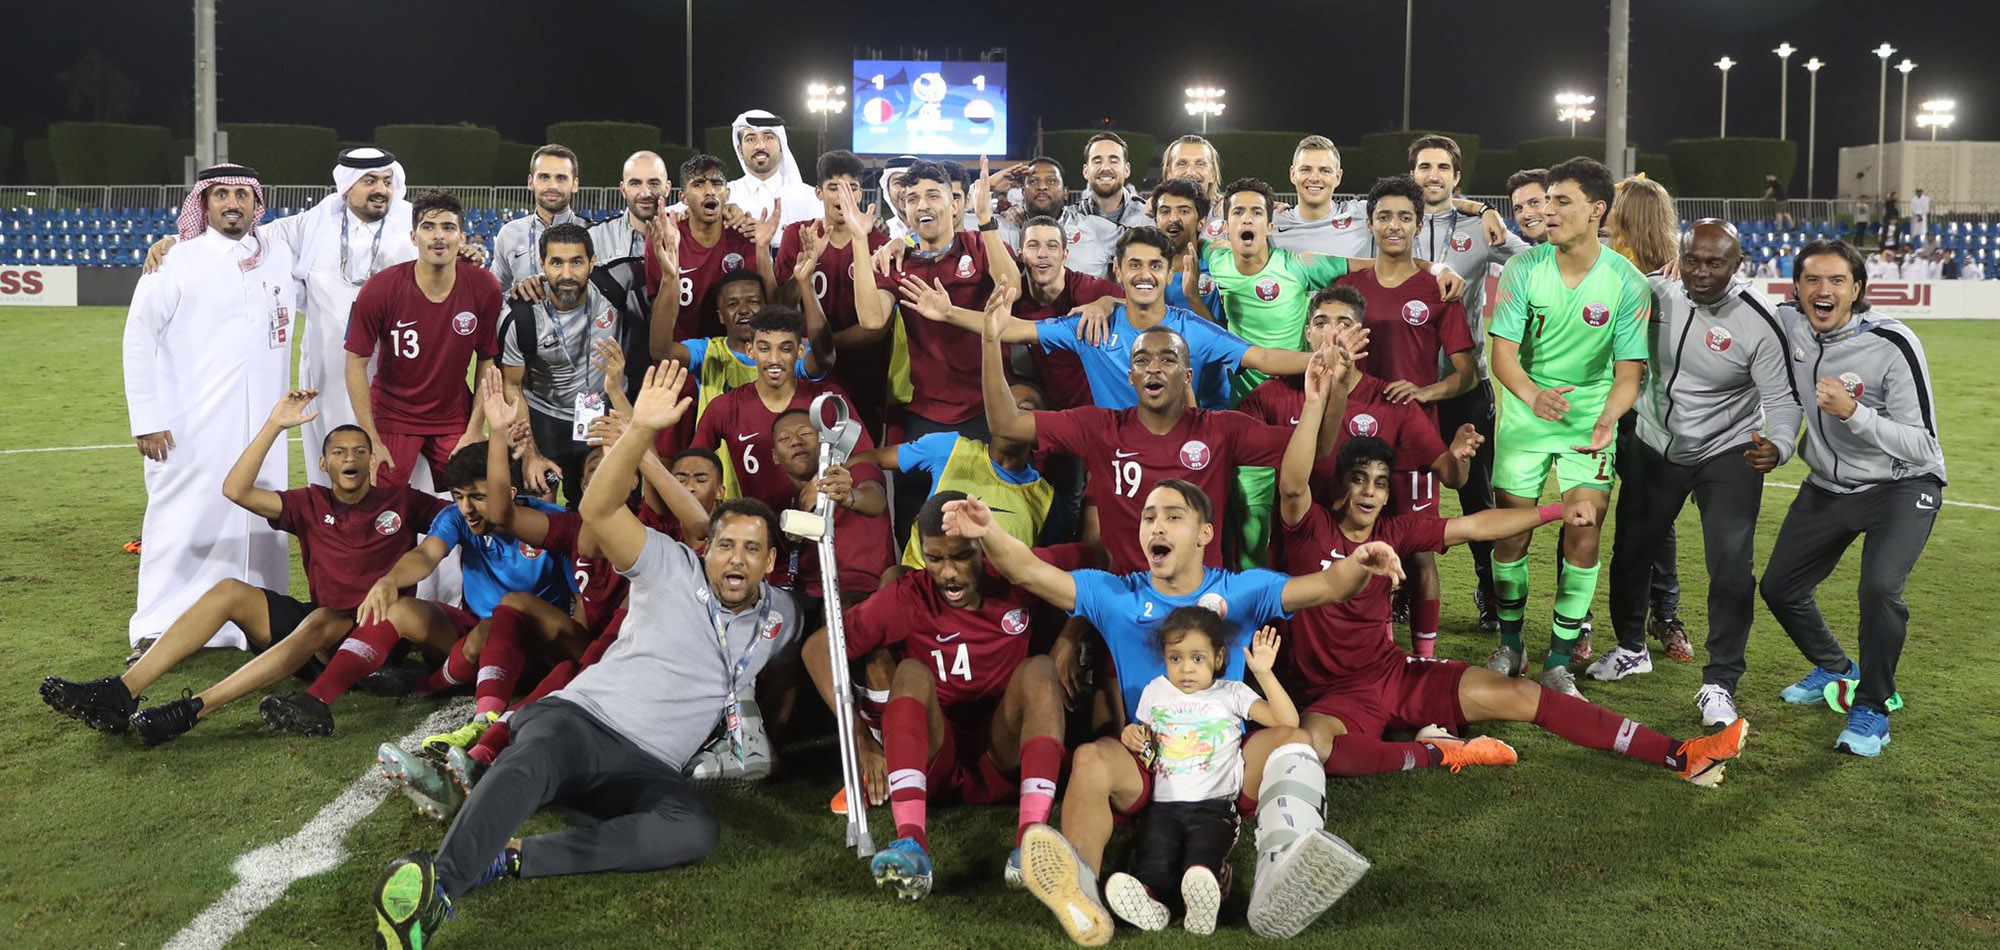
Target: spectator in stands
(1920, 217)
(1971, 269)
(1884, 265)
(1862, 210)
(208, 341)
(1892, 214)
(1769, 268)
(1774, 192)
(552, 176)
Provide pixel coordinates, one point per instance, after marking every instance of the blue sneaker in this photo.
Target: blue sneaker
(1013, 872)
(1866, 733)
(1812, 689)
(905, 866)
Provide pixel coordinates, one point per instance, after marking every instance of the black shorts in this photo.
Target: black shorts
(284, 613)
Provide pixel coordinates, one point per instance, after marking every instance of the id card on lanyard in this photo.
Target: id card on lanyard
(278, 329)
(732, 709)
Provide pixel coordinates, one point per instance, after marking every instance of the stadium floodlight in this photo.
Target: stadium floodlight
(1723, 64)
(1882, 119)
(1813, 67)
(1903, 118)
(1574, 109)
(823, 100)
(1204, 101)
(1937, 114)
(1784, 51)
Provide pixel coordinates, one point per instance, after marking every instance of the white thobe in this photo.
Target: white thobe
(754, 195)
(325, 299)
(204, 361)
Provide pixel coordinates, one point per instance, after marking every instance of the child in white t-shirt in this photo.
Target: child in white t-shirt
(1188, 733)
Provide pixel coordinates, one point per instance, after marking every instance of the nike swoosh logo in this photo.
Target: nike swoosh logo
(1295, 420)
(949, 638)
(689, 270)
(1923, 507)
(746, 438)
(406, 323)
(1124, 455)
(1422, 506)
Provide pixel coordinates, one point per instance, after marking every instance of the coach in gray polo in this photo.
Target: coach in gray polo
(614, 743)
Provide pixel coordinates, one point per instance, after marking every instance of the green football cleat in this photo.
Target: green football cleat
(409, 905)
(462, 738)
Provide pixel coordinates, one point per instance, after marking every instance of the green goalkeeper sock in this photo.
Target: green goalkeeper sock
(1510, 590)
(1573, 595)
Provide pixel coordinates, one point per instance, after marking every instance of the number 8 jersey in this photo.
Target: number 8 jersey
(1125, 460)
(1567, 338)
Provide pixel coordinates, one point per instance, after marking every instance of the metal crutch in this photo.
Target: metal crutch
(836, 443)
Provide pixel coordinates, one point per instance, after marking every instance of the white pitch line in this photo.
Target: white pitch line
(89, 448)
(1960, 504)
(264, 874)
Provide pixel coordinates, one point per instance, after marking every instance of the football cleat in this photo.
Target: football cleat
(1620, 663)
(905, 866)
(160, 723)
(1458, 753)
(300, 713)
(410, 905)
(103, 704)
(426, 784)
(1812, 688)
(1560, 679)
(1673, 637)
(460, 738)
(1704, 757)
(1506, 660)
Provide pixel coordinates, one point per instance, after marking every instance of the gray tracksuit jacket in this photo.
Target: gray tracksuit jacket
(1093, 237)
(1892, 434)
(1717, 373)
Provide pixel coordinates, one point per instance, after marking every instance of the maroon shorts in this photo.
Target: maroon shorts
(462, 620)
(1411, 493)
(406, 448)
(1404, 695)
(963, 770)
(1126, 816)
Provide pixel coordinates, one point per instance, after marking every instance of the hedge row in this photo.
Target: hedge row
(107, 153)
(441, 154)
(1730, 168)
(1066, 147)
(6, 153)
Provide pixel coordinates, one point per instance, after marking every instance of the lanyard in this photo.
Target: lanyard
(1451, 229)
(721, 624)
(575, 355)
(373, 247)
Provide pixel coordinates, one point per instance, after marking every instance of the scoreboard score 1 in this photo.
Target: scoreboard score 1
(929, 107)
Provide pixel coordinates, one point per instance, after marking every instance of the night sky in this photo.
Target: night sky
(1329, 66)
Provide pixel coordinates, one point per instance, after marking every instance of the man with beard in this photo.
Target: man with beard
(552, 176)
(1097, 220)
(1716, 412)
(706, 249)
(1527, 190)
(206, 339)
(771, 178)
(644, 185)
(1179, 208)
(1041, 182)
(863, 368)
(1193, 158)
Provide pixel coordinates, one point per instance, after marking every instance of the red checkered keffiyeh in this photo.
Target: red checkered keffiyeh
(194, 211)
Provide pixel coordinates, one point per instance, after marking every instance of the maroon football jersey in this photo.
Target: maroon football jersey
(1409, 327)
(864, 546)
(737, 426)
(944, 359)
(422, 349)
(1124, 461)
(1277, 402)
(973, 653)
(1342, 639)
(1061, 371)
(701, 267)
(862, 371)
(347, 548)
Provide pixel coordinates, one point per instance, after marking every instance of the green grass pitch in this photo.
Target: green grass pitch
(111, 844)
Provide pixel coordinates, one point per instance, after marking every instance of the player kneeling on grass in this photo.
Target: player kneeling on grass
(614, 744)
(971, 716)
(1359, 684)
(494, 565)
(1302, 869)
(1189, 730)
(347, 534)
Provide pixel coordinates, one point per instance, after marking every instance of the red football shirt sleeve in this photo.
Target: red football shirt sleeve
(490, 302)
(1454, 334)
(564, 527)
(1412, 534)
(1418, 444)
(878, 621)
(1068, 430)
(421, 508)
(294, 517)
(365, 318)
(788, 250)
(1069, 557)
(1256, 443)
(1091, 289)
(1257, 405)
(707, 431)
(1301, 546)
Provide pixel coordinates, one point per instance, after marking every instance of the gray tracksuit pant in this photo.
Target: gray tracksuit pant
(637, 813)
(1897, 519)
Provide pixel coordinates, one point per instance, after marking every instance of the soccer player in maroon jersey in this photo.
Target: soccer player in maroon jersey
(1051, 290)
(348, 534)
(706, 249)
(737, 424)
(859, 500)
(863, 368)
(1164, 436)
(971, 267)
(1422, 459)
(420, 323)
(1357, 683)
(1410, 322)
(971, 717)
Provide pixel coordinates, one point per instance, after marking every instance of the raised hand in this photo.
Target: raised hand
(1262, 653)
(500, 414)
(812, 243)
(608, 356)
(768, 222)
(931, 300)
(1319, 373)
(660, 404)
(290, 412)
(607, 429)
(981, 197)
(999, 307)
(664, 233)
(1550, 404)
(1762, 455)
(1377, 557)
(967, 518)
(1466, 443)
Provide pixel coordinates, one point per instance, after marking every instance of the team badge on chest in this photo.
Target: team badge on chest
(1718, 339)
(1015, 622)
(604, 319)
(1363, 424)
(732, 261)
(965, 267)
(1195, 455)
(1852, 383)
(464, 323)
(1416, 313)
(1461, 242)
(1267, 289)
(1596, 314)
(388, 523)
(1214, 602)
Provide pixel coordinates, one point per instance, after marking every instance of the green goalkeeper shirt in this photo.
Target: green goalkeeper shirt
(1268, 308)
(1568, 337)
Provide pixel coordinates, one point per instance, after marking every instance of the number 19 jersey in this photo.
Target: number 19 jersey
(1567, 338)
